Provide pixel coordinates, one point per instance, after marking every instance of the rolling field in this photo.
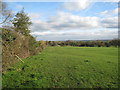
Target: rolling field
(66, 67)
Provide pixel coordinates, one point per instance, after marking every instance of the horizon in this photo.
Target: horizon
(84, 40)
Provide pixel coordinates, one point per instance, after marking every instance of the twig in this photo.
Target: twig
(19, 59)
(5, 19)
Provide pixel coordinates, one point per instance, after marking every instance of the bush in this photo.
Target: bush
(8, 35)
(18, 44)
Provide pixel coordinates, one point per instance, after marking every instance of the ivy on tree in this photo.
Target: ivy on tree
(22, 22)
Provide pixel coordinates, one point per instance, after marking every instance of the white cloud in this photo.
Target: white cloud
(77, 6)
(66, 21)
(41, 33)
(48, 33)
(40, 26)
(86, 35)
(69, 21)
(109, 12)
(35, 17)
(110, 22)
(63, 26)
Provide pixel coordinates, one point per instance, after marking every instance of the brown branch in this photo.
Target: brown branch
(19, 59)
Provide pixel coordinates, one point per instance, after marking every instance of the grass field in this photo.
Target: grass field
(66, 67)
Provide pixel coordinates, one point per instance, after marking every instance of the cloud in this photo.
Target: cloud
(86, 35)
(40, 26)
(77, 6)
(35, 17)
(37, 24)
(110, 12)
(110, 22)
(63, 26)
(65, 21)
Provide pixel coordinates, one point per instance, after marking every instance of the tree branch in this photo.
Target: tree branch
(19, 59)
(5, 19)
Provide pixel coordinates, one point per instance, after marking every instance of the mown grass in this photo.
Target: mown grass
(66, 67)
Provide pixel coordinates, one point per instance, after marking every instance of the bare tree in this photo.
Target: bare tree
(5, 13)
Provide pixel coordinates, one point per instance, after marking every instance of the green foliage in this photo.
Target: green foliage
(22, 22)
(66, 67)
(35, 46)
(115, 42)
(7, 35)
(32, 45)
(42, 44)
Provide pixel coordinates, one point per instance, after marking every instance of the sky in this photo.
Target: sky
(82, 20)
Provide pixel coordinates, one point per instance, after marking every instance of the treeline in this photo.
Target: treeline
(96, 43)
(17, 43)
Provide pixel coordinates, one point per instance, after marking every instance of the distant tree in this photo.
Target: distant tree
(22, 22)
(115, 42)
(107, 43)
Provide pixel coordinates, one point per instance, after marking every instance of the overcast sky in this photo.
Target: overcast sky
(81, 20)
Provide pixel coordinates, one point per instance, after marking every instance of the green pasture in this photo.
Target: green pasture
(66, 67)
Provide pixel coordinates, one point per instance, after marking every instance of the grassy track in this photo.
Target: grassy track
(65, 67)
